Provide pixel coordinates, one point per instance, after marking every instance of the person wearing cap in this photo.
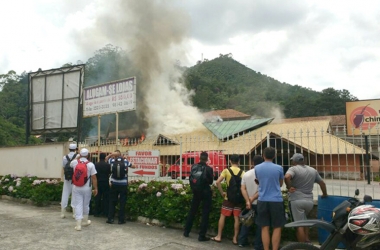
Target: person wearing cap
(270, 205)
(203, 195)
(249, 189)
(83, 194)
(299, 180)
(67, 184)
(103, 171)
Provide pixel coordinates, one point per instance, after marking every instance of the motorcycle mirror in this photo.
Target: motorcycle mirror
(367, 198)
(356, 192)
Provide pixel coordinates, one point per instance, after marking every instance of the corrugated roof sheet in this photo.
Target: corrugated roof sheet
(226, 129)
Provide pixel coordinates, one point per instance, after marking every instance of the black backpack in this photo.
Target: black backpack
(118, 169)
(197, 177)
(233, 189)
(67, 170)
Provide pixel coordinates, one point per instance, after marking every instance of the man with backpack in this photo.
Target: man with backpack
(119, 185)
(67, 182)
(84, 178)
(270, 205)
(233, 199)
(201, 177)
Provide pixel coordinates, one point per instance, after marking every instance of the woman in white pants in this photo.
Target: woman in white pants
(82, 194)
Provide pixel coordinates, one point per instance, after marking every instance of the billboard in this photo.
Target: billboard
(111, 97)
(363, 117)
(55, 99)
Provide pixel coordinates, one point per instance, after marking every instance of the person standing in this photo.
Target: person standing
(103, 171)
(249, 189)
(67, 182)
(82, 193)
(119, 185)
(299, 180)
(270, 205)
(229, 208)
(201, 193)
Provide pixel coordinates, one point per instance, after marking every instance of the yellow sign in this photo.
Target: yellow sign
(363, 117)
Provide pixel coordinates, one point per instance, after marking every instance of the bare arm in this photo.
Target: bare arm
(288, 183)
(322, 185)
(219, 186)
(244, 192)
(95, 184)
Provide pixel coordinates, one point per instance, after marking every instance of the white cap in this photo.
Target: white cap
(72, 146)
(84, 152)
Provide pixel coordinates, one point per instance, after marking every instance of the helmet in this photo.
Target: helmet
(246, 217)
(364, 220)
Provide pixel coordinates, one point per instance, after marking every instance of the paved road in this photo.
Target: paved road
(24, 226)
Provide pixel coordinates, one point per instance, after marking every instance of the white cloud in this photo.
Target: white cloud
(314, 44)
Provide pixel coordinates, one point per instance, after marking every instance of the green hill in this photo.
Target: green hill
(224, 83)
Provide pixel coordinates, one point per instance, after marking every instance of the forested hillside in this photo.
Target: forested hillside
(221, 83)
(224, 83)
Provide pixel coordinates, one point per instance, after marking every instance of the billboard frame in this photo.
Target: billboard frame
(80, 68)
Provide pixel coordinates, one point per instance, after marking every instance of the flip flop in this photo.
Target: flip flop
(213, 239)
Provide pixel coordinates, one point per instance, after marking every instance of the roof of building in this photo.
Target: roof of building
(311, 136)
(226, 114)
(335, 120)
(226, 129)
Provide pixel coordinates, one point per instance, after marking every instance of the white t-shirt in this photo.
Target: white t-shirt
(249, 181)
(90, 168)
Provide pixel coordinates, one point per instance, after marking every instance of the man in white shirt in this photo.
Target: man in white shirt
(249, 190)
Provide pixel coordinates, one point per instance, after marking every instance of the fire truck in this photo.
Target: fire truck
(216, 160)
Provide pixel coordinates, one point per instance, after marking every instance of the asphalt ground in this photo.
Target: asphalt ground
(24, 226)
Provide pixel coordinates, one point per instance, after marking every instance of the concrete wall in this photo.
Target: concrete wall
(44, 161)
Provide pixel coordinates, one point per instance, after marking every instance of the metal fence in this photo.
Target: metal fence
(345, 163)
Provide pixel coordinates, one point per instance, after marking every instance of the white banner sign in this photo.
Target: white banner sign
(146, 163)
(112, 97)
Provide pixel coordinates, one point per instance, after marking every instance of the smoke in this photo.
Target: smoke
(154, 34)
(277, 113)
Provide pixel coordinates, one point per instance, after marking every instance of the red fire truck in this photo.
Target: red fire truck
(216, 160)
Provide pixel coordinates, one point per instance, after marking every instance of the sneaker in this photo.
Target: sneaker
(109, 221)
(186, 234)
(204, 238)
(121, 222)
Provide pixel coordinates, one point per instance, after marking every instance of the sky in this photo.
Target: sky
(315, 44)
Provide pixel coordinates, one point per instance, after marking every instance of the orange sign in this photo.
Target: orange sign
(363, 117)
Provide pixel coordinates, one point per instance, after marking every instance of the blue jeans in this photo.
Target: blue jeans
(244, 231)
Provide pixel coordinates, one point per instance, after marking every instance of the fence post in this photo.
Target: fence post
(367, 160)
(180, 157)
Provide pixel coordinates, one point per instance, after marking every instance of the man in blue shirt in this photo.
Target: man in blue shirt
(118, 185)
(270, 206)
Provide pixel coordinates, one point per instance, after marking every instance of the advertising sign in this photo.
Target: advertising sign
(363, 117)
(111, 97)
(146, 163)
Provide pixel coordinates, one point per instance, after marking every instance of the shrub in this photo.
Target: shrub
(168, 202)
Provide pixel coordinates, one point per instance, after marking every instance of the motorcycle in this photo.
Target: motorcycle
(341, 230)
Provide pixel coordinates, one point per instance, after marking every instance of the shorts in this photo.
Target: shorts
(229, 208)
(270, 213)
(299, 209)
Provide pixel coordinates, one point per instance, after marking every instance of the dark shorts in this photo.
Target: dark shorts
(270, 214)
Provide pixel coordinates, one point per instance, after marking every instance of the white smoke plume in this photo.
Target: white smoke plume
(154, 34)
